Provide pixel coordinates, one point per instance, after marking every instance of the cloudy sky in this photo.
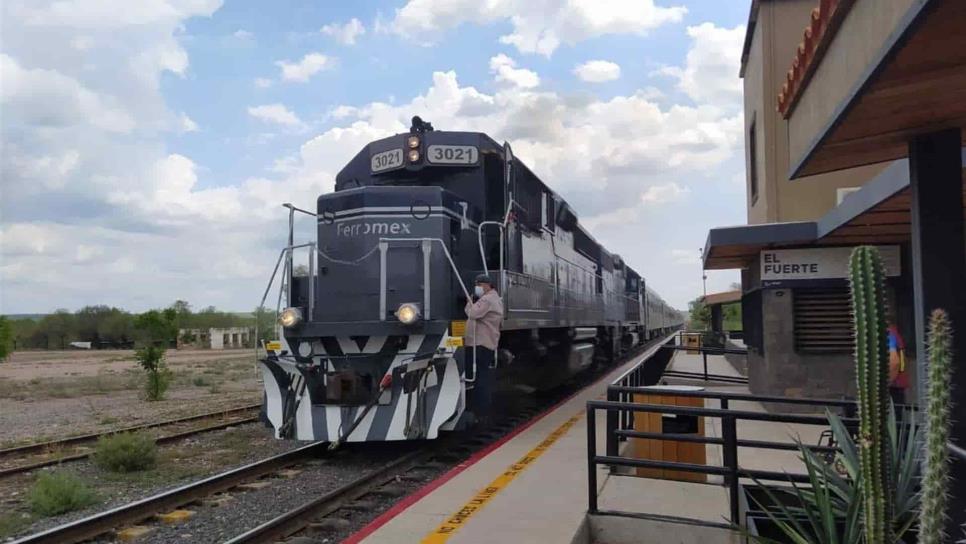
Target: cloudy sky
(147, 146)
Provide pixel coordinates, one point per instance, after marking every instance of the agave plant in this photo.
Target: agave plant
(830, 506)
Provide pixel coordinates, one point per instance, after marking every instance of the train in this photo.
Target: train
(370, 335)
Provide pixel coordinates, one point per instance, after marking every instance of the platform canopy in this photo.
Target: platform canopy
(724, 297)
(878, 213)
(868, 76)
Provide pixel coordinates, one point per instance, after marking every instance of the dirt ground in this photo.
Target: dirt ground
(51, 394)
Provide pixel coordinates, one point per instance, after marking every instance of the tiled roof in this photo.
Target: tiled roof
(823, 23)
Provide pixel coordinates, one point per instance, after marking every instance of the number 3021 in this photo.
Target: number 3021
(452, 154)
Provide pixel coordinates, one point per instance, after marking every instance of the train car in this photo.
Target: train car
(370, 345)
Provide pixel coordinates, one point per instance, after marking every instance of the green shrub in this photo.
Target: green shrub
(126, 452)
(151, 359)
(200, 381)
(58, 492)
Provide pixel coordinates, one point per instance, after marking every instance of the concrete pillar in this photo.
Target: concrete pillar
(939, 270)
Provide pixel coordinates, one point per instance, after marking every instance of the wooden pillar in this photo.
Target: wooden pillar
(939, 273)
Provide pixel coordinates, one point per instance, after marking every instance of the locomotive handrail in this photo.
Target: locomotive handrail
(297, 209)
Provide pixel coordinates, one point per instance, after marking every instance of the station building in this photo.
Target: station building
(853, 136)
(216, 338)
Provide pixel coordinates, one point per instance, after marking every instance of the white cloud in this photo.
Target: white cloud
(659, 194)
(275, 113)
(51, 171)
(505, 69)
(304, 69)
(597, 71)
(263, 82)
(538, 26)
(710, 73)
(345, 34)
(243, 34)
(188, 124)
(41, 97)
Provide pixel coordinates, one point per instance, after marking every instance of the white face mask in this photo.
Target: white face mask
(478, 290)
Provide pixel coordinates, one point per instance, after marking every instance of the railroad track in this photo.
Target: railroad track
(389, 480)
(128, 514)
(38, 455)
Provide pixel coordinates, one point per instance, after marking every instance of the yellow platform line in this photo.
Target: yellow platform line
(456, 521)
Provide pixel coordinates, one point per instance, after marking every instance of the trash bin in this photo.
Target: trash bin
(667, 450)
(692, 340)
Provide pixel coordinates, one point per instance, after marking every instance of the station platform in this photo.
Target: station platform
(532, 486)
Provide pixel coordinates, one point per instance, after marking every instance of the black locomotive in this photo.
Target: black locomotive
(371, 338)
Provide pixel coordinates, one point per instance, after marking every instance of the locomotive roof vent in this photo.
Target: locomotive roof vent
(420, 126)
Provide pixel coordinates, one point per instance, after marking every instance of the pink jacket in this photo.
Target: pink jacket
(485, 317)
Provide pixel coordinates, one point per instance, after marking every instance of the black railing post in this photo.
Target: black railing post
(724, 403)
(729, 433)
(704, 355)
(611, 431)
(591, 463)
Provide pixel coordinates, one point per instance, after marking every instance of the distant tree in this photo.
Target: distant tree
(735, 286)
(265, 321)
(300, 270)
(57, 328)
(700, 314)
(6, 338)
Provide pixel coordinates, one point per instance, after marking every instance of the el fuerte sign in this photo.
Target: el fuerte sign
(800, 267)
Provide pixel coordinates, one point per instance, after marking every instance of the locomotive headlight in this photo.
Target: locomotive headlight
(408, 313)
(413, 142)
(413, 155)
(290, 317)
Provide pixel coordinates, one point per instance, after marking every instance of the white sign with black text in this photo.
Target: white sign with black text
(782, 265)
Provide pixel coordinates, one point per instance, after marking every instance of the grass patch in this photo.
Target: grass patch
(13, 522)
(126, 452)
(58, 492)
(65, 388)
(174, 464)
(108, 420)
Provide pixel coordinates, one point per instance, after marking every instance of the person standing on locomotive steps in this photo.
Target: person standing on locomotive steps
(482, 337)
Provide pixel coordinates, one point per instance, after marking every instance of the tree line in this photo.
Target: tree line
(109, 327)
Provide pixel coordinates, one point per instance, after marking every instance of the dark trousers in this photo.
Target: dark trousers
(482, 397)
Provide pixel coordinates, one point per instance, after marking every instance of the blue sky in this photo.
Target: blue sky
(147, 146)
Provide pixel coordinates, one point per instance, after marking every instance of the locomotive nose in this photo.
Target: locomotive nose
(381, 255)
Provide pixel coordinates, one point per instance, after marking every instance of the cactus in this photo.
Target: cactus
(936, 469)
(872, 371)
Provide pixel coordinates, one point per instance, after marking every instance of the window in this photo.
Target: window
(549, 212)
(823, 320)
(753, 161)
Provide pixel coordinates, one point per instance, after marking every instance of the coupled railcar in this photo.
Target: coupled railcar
(370, 345)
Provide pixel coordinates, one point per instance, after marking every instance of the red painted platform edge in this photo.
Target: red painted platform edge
(402, 505)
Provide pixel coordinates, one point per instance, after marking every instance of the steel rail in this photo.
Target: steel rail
(104, 522)
(302, 516)
(94, 436)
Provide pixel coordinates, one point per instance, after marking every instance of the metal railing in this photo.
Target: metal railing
(705, 351)
(619, 426)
